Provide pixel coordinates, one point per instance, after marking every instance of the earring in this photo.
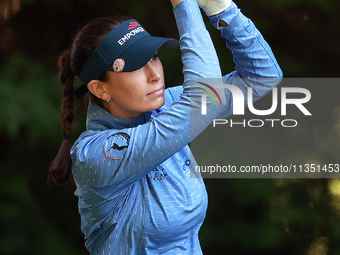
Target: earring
(108, 100)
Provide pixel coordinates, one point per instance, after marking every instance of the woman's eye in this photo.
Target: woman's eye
(155, 57)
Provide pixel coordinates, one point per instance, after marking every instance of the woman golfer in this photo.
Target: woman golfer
(132, 165)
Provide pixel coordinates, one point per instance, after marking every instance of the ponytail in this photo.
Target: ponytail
(83, 46)
(60, 169)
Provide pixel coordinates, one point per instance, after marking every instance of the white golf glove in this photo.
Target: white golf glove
(213, 7)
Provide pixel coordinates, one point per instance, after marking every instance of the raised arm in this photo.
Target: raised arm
(251, 53)
(255, 62)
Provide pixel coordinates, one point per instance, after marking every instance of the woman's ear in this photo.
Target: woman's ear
(96, 88)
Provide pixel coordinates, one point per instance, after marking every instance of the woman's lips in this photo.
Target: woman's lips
(156, 92)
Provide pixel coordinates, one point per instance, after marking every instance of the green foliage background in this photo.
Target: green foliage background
(245, 216)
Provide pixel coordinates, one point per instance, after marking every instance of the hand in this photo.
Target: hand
(213, 7)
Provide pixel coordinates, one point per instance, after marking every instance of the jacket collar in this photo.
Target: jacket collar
(99, 119)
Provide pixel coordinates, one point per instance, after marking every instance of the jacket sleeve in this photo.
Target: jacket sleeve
(165, 133)
(255, 62)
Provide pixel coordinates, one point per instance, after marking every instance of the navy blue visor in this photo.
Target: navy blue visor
(126, 48)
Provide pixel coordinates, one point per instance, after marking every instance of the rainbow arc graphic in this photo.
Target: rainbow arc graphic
(210, 94)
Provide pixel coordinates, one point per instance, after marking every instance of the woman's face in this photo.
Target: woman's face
(136, 92)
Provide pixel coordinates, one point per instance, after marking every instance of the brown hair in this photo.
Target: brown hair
(70, 64)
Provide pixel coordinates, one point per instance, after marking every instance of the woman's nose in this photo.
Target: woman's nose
(152, 72)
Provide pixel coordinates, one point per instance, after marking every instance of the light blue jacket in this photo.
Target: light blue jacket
(133, 180)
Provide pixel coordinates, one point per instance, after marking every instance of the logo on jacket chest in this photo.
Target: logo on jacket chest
(158, 174)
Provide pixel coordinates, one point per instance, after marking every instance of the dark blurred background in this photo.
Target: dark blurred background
(245, 216)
